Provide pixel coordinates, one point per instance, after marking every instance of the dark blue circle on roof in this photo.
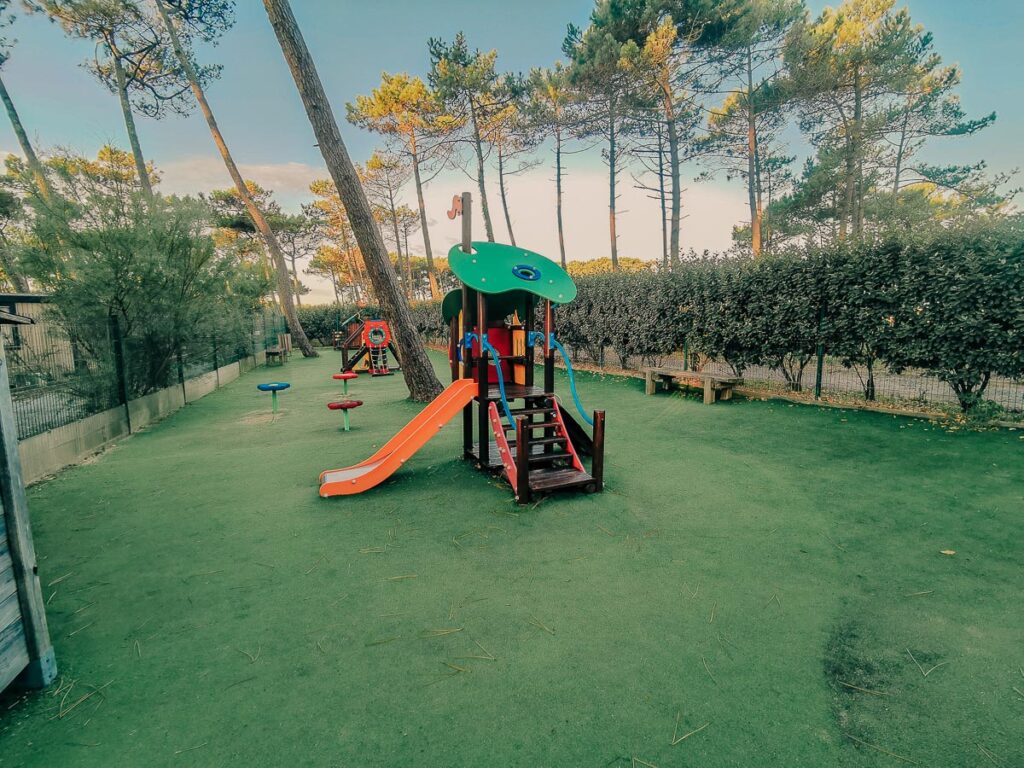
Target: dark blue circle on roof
(526, 272)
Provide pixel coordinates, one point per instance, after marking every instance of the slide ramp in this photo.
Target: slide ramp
(396, 451)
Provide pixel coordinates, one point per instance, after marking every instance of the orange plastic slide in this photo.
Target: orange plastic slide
(393, 454)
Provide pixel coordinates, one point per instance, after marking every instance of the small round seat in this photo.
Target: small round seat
(345, 377)
(345, 406)
(273, 387)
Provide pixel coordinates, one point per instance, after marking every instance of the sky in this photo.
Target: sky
(353, 41)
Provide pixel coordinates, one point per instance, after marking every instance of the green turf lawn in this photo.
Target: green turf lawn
(747, 566)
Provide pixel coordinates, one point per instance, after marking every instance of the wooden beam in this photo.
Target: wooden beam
(42, 666)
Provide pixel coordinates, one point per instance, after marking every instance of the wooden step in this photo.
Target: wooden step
(532, 425)
(546, 480)
(548, 458)
(530, 411)
(542, 441)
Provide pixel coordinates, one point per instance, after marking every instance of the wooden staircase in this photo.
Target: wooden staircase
(539, 456)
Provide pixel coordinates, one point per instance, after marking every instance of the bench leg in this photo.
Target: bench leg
(648, 382)
(726, 393)
(709, 392)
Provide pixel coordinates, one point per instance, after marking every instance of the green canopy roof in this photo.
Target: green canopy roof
(498, 268)
(498, 307)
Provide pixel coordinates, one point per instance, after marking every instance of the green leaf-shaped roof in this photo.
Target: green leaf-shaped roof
(497, 268)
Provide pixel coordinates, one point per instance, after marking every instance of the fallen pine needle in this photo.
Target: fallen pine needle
(400, 578)
(685, 736)
(881, 749)
(920, 594)
(251, 657)
(239, 682)
(72, 634)
(708, 670)
(314, 565)
(190, 749)
(456, 667)
(711, 619)
(865, 690)
(637, 761)
(990, 755)
(385, 641)
(541, 625)
(426, 633)
(837, 546)
(602, 528)
(372, 550)
(923, 673)
(55, 582)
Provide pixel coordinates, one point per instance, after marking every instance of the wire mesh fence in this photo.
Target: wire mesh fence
(835, 381)
(61, 372)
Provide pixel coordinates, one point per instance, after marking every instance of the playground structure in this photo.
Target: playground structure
(372, 341)
(491, 353)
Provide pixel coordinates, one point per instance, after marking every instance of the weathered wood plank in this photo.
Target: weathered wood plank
(35, 634)
(13, 653)
(8, 586)
(10, 611)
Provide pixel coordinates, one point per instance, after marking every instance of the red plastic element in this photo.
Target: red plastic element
(508, 459)
(500, 338)
(347, 375)
(344, 405)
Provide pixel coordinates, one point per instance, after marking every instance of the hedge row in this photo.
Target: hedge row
(950, 302)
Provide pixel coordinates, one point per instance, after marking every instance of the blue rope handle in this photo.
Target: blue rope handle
(572, 380)
(485, 344)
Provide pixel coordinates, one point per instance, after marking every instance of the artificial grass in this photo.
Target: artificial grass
(764, 569)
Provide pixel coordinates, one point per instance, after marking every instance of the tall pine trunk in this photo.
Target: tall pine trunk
(676, 191)
(31, 159)
(129, 120)
(284, 289)
(558, 192)
(479, 147)
(435, 290)
(753, 175)
(661, 200)
(504, 195)
(416, 368)
(295, 281)
(612, 160)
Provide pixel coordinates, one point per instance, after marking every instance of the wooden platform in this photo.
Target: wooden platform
(716, 386)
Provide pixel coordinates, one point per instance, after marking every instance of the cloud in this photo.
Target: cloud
(289, 181)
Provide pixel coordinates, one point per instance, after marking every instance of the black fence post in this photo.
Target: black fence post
(117, 342)
(821, 359)
(216, 365)
(181, 369)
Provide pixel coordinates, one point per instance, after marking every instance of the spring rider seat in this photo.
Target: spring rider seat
(345, 406)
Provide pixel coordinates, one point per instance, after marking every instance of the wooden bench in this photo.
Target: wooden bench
(715, 385)
(275, 353)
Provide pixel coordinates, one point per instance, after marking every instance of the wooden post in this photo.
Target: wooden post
(453, 347)
(523, 495)
(42, 665)
(649, 385)
(483, 390)
(467, 350)
(597, 463)
(528, 326)
(467, 222)
(549, 353)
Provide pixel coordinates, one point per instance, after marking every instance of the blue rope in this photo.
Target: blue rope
(484, 344)
(572, 381)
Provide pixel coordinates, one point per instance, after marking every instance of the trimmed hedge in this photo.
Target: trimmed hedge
(949, 301)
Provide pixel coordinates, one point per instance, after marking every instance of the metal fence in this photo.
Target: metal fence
(62, 372)
(833, 381)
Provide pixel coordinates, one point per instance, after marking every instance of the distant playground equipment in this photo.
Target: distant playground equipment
(345, 406)
(273, 387)
(372, 341)
(491, 354)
